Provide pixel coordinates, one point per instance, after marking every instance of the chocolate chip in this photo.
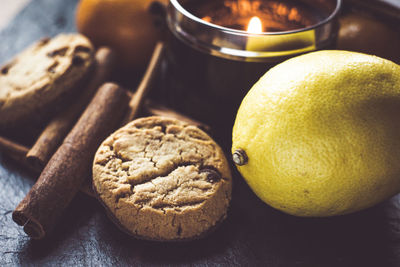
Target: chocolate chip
(52, 68)
(4, 70)
(212, 175)
(77, 61)
(81, 48)
(163, 129)
(44, 41)
(58, 52)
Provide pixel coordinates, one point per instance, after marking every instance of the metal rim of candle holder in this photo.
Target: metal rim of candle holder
(243, 46)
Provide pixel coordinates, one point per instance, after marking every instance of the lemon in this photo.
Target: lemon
(319, 134)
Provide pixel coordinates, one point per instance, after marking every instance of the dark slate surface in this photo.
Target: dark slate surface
(253, 235)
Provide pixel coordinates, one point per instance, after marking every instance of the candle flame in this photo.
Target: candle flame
(255, 25)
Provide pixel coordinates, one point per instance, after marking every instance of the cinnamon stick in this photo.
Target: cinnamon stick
(52, 136)
(155, 109)
(18, 152)
(71, 164)
(13, 150)
(146, 83)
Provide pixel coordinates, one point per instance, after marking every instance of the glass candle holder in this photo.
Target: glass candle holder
(213, 58)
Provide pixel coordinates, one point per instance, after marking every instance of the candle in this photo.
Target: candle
(288, 27)
(255, 25)
(217, 49)
(275, 15)
(295, 43)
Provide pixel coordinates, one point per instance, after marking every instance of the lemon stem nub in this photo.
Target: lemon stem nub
(239, 157)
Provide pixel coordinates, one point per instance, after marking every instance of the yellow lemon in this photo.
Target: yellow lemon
(319, 134)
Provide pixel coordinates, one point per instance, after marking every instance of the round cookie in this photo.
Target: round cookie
(41, 74)
(162, 179)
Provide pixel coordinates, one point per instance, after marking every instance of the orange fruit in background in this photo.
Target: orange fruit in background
(125, 25)
(363, 33)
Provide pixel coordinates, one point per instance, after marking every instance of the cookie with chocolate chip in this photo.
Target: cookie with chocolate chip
(162, 179)
(42, 74)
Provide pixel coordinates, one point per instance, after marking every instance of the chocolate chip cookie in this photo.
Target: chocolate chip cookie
(162, 179)
(41, 74)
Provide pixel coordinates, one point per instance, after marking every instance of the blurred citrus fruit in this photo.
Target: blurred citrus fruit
(125, 25)
(362, 33)
(322, 133)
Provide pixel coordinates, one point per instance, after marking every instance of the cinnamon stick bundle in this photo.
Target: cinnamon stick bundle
(71, 164)
(52, 136)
